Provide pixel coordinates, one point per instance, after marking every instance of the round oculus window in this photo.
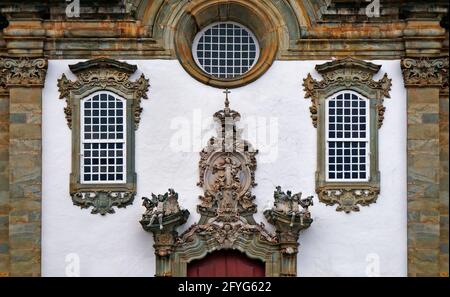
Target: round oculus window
(225, 50)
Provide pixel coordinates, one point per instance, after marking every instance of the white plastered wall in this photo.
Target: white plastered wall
(337, 244)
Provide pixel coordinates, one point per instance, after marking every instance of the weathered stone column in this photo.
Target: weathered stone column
(25, 80)
(444, 177)
(4, 178)
(23, 70)
(423, 78)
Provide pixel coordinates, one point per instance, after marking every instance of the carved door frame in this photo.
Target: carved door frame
(227, 174)
(252, 247)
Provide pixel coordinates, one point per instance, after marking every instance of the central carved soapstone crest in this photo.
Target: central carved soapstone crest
(227, 175)
(227, 172)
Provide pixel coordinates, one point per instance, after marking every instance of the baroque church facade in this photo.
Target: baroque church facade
(223, 138)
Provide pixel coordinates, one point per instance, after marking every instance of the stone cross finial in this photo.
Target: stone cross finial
(227, 102)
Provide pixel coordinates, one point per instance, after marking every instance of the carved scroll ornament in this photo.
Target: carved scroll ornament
(227, 171)
(227, 175)
(346, 73)
(102, 202)
(23, 71)
(348, 198)
(290, 214)
(163, 214)
(425, 72)
(104, 74)
(226, 234)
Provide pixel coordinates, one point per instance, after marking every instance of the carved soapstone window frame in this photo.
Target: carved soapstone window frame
(347, 75)
(253, 15)
(252, 41)
(93, 77)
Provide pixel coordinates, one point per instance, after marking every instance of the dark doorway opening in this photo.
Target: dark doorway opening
(226, 263)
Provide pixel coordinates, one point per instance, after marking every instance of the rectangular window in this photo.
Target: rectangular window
(347, 138)
(103, 139)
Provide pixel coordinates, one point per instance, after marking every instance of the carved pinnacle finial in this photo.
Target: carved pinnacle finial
(221, 115)
(227, 102)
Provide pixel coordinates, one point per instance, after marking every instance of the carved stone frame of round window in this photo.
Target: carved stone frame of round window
(245, 13)
(201, 33)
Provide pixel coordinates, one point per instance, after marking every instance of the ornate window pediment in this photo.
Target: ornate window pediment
(347, 110)
(103, 110)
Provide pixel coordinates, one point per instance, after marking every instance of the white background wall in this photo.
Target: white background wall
(337, 244)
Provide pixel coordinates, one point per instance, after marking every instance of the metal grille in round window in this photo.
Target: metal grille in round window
(225, 50)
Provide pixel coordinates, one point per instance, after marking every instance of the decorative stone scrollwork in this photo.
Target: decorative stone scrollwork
(96, 76)
(425, 71)
(226, 234)
(102, 201)
(163, 214)
(348, 198)
(2, 80)
(104, 74)
(227, 174)
(289, 215)
(347, 75)
(23, 71)
(227, 171)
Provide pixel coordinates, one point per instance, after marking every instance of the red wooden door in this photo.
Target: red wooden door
(226, 264)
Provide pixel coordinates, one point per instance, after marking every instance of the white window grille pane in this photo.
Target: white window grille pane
(103, 139)
(221, 50)
(347, 137)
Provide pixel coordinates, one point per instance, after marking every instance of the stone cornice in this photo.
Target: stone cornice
(103, 63)
(357, 66)
(23, 72)
(134, 31)
(424, 72)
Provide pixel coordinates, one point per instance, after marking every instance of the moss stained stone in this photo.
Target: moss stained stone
(24, 146)
(444, 182)
(426, 147)
(4, 184)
